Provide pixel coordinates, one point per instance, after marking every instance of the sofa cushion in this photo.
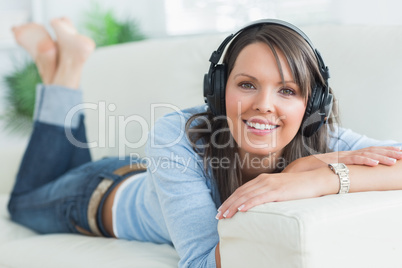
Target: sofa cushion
(21, 247)
(67, 250)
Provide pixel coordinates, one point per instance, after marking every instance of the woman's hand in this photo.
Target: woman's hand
(371, 156)
(279, 187)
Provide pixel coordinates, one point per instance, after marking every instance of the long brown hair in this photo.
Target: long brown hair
(213, 132)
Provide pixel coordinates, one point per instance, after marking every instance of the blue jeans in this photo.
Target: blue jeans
(56, 180)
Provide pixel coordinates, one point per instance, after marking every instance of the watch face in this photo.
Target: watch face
(342, 166)
(338, 167)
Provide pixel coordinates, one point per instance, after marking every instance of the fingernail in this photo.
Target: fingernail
(218, 215)
(226, 213)
(240, 208)
(392, 159)
(375, 161)
(398, 147)
(219, 209)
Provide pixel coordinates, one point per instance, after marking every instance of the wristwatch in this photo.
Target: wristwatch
(342, 171)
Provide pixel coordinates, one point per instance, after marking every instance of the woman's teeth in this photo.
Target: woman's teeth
(260, 126)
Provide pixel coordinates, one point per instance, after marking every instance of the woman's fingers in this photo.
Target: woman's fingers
(371, 156)
(243, 193)
(384, 155)
(368, 159)
(263, 189)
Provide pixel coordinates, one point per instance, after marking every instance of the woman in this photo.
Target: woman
(254, 145)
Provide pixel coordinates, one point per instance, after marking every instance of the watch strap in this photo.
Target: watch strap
(342, 171)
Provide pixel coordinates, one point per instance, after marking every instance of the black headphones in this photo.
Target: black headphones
(318, 107)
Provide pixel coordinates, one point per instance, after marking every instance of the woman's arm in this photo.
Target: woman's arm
(371, 156)
(307, 184)
(350, 148)
(381, 178)
(187, 199)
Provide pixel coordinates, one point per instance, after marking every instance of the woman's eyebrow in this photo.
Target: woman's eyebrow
(254, 78)
(287, 81)
(244, 74)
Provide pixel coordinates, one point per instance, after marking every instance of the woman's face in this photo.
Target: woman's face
(264, 113)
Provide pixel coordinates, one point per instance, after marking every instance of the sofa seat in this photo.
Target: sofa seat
(20, 246)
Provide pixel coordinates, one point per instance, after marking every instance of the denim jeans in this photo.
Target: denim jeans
(56, 180)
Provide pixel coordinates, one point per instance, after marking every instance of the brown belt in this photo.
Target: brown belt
(100, 191)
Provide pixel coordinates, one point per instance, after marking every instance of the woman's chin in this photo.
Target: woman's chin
(262, 150)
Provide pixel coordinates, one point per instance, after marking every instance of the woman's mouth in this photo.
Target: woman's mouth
(260, 128)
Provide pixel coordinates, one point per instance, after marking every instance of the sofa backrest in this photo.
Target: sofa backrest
(131, 85)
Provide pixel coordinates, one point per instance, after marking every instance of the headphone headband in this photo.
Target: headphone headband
(217, 54)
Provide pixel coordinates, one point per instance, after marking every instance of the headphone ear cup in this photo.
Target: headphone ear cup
(310, 103)
(218, 82)
(312, 120)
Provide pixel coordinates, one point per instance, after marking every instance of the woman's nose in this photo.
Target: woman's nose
(264, 102)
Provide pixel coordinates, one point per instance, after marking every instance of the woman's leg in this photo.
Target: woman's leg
(57, 178)
(57, 181)
(61, 206)
(50, 153)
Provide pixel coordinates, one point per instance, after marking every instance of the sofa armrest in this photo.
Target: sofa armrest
(352, 230)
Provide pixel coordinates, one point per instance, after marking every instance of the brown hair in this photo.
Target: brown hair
(304, 68)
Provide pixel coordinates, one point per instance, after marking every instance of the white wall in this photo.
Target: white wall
(368, 12)
(149, 13)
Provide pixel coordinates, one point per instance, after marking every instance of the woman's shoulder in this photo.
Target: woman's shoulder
(175, 122)
(170, 130)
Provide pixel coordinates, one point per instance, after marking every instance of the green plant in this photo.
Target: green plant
(105, 29)
(20, 97)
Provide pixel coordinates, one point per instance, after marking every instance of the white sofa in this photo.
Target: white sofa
(354, 230)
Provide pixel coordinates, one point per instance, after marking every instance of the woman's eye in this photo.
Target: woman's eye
(287, 91)
(247, 86)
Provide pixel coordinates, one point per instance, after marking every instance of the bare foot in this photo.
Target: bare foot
(70, 42)
(38, 43)
(74, 49)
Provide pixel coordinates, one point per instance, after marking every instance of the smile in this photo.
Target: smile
(260, 126)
